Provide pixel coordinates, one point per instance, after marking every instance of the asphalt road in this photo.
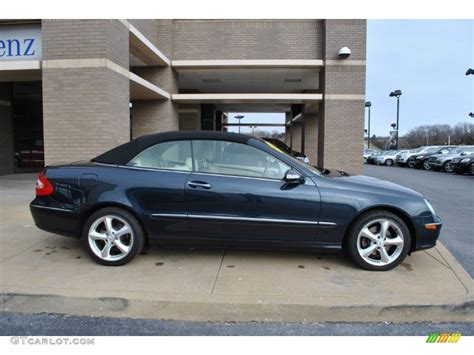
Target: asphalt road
(60, 325)
(452, 197)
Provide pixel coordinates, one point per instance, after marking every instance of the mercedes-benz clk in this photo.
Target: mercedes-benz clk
(217, 189)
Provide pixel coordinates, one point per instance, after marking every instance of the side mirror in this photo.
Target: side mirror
(293, 177)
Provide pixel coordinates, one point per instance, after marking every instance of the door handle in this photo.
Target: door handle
(195, 184)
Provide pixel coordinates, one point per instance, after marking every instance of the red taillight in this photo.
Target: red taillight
(43, 186)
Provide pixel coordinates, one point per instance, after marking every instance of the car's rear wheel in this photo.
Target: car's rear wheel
(426, 165)
(448, 167)
(378, 241)
(411, 163)
(471, 169)
(389, 162)
(113, 236)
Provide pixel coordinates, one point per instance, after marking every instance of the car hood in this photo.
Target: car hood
(370, 184)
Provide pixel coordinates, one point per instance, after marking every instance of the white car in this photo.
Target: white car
(387, 158)
(402, 158)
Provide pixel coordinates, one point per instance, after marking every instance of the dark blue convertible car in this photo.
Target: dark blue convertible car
(211, 189)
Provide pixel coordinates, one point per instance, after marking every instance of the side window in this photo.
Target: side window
(167, 155)
(230, 158)
(444, 151)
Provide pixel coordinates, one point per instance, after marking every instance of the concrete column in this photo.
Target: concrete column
(341, 123)
(85, 106)
(7, 161)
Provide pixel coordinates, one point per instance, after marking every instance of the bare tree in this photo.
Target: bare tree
(440, 134)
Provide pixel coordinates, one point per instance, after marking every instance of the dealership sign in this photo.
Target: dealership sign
(22, 42)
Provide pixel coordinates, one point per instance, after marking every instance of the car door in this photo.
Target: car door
(237, 192)
(156, 179)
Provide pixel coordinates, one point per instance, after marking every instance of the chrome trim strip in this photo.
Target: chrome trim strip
(180, 215)
(237, 176)
(328, 223)
(249, 219)
(53, 208)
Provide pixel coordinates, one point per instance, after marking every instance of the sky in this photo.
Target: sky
(427, 60)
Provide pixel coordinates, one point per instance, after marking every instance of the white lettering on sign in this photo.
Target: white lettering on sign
(22, 42)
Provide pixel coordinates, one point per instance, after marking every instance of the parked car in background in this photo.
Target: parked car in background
(282, 146)
(389, 157)
(421, 160)
(440, 162)
(403, 159)
(222, 189)
(463, 164)
(29, 153)
(368, 153)
(371, 159)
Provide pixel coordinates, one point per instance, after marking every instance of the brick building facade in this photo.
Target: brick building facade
(106, 81)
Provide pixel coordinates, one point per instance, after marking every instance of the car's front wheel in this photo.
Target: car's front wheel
(426, 165)
(113, 236)
(378, 241)
(389, 162)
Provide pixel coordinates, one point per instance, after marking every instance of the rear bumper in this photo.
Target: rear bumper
(56, 220)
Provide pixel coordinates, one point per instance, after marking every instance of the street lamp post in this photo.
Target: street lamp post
(368, 105)
(397, 94)
(239, 117)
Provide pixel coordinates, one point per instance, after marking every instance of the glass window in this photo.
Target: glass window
(228, 158)
(167, 155)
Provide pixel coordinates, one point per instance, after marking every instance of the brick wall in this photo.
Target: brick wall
(157, 115)
(85, 110)
(247, 39)
(151, 116)
(188, 121)
(341, 123)
(78, 39)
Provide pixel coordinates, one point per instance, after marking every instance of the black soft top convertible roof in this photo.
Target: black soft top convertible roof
(122, 154)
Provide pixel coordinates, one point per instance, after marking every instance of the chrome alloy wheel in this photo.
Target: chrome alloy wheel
(110, 238)
(380, 242)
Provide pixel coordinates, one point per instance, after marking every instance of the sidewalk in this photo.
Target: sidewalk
(41, 272)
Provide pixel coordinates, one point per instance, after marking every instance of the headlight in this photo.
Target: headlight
(420, 157)
(430, 207)
(465, 160)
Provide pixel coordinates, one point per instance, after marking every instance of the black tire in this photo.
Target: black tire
(389, 162)
(350, 241)
(411, 164)
(448, 167)
(139, 237)
(426, 165)
(471, 172)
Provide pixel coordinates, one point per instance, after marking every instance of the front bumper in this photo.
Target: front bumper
(427, 232)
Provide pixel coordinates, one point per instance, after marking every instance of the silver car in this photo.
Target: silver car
(440, 162)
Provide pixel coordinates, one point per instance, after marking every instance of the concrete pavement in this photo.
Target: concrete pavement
(453, 199)
(42, 272)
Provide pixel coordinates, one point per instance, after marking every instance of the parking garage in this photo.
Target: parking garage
(94, 84)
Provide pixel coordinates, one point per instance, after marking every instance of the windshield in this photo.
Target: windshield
(296, 161)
